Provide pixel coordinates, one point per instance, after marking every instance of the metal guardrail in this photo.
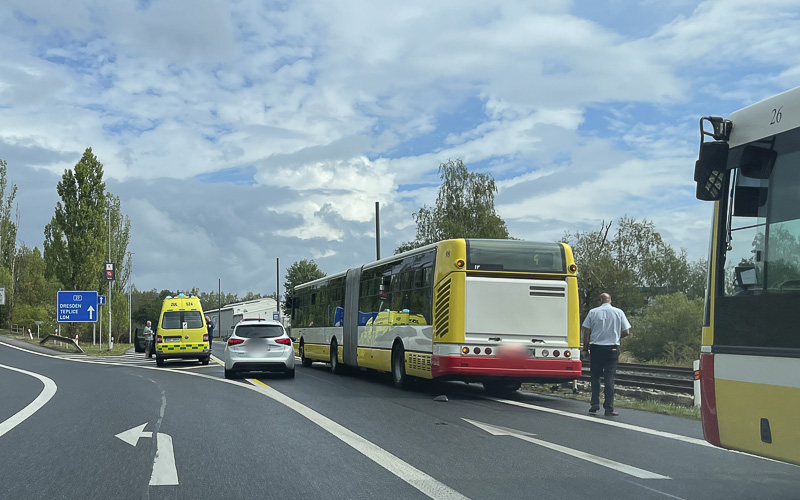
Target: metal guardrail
(664, 378)
(65, 340)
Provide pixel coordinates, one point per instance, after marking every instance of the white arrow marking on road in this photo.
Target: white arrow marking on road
(91, 310)
(131, 436)
(525, 436)
(164, 471)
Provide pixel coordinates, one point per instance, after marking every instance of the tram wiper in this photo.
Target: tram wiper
(537, 340)
(495, 339)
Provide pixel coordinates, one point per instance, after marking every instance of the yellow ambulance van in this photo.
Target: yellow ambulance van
(182, 331)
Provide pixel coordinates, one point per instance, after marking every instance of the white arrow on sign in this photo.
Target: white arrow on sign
(90, 309)
(164, 471)
(526, 436)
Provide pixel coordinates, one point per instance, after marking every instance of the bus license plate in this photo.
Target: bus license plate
(532, 353)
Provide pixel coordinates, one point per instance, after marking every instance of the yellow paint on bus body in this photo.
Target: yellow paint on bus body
(741, 406)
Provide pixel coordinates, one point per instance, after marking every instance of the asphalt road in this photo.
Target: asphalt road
(325, 436)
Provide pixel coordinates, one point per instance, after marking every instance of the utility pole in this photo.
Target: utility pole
(377, 230)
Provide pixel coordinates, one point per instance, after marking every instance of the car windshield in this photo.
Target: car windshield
(259, 331)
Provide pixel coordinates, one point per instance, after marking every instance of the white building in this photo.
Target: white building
(226, 318)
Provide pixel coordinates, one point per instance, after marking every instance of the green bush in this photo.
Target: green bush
(668, 330)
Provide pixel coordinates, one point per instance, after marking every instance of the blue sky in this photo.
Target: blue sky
(247, 130)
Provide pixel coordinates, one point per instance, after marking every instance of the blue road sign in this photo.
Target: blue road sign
(77, 307)
(276, 316)
(101, 299)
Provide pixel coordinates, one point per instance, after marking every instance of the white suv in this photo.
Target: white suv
(259, 345)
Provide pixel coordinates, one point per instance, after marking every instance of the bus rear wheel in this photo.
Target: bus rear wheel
(399, 377)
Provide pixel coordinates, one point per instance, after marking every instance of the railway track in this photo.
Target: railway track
(663, 378)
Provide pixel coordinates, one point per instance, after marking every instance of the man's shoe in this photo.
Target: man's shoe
(594, 408)
(611, 413)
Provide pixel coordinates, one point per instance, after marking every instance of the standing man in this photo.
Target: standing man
(603, 328)
(148, 340)
(210, 327)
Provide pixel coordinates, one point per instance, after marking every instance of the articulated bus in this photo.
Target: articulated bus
(500, 312)
(750, 354)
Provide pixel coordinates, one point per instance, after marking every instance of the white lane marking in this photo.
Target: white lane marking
(605, 462)
(164, 471)
(612, 423)
(47, 393)
(131, 436)
(653, 490)
(596, 420)
(405, 471)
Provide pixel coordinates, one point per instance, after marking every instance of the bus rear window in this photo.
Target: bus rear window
(515, 256)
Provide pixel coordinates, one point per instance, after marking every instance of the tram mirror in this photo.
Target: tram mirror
(746, 276)
(709, 170)
(748, 199)
(757, 162)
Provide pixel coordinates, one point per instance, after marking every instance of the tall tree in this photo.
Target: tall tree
(298, 273)
(8, 242)
(75, 237)
(464, 209)
(634, 265)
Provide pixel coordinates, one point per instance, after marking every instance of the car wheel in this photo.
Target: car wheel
(501, 387)
(399, 377)
(159, 360)
(303, 359)
(229, 374)
(336, 368)
(289, 373)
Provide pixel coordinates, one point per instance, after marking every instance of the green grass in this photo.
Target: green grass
(651, 405)
(88, 348)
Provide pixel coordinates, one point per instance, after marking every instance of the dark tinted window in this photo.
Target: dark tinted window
(258, 331)
(171, 320)
(193, 319)
(513, 255)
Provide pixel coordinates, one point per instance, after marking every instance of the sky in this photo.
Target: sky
(238, 132)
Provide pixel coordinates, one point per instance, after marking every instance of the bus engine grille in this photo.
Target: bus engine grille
(441, 310)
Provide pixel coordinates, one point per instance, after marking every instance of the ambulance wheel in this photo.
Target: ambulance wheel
(204, 361)
(159, 360)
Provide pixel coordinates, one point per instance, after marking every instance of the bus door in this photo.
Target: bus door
(350, 327)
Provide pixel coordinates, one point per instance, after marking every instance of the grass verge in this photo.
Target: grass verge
(88, 349)
(651, 405)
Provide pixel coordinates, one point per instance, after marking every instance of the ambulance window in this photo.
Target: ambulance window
(171, 320)
(193, 319)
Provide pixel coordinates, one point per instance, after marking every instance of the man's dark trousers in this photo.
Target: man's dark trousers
(604, 364)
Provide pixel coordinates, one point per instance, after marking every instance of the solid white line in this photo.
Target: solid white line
(47, 393)
(612, 423)
(605, 462)
(164, 471)
(405, 471)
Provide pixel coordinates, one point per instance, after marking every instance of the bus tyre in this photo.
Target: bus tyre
(501, 387)
(399, 377)
(303, 359)
(159, 360)
(336, 368)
